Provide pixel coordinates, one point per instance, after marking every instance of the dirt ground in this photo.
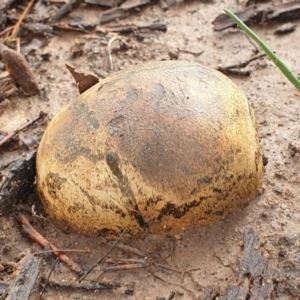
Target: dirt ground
(201, 263)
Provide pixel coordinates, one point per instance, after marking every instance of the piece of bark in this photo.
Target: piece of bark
(19, 70)
(113, 14)
(101, 2)
(25, 285)
(129, 4)
(18, 183)
(128, 28)
(3, 287)
(286, 28)
(122, 11)
(37, 29)
(255, 276)
(251, 15)
(65, 10)
(285, 12)
(260, 15)
(7, 88)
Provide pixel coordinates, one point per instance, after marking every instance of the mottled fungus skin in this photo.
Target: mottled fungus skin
(162, 146)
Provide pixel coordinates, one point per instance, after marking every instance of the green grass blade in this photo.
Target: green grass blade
(283, 68)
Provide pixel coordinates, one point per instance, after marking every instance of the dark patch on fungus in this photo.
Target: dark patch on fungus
(113, 161)
(54, 182)
(75, 149)
(80, 111)
(205, 180)
(177, 212)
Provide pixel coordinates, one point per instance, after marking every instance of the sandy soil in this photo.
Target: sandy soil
(193, 263)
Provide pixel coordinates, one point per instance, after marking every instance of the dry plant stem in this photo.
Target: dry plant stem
(103, 257)
(27, 229)
(109, 51)
(18, 24)
(61, 250)
(6, 31)
(83, 286)
(44, 287)
(171, 283)
(132, 250)
(41, 116)
(124, 267)
(241, 65)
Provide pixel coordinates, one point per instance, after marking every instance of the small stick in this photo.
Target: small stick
(240, 65)
(124, 267)
(44, 287)
(83, 286)
(27, 229)
(61, 250)
(6, 31)
(103, 257)
(41, 116)
(132, 250)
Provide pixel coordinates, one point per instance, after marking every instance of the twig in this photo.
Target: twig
(103, 257)
(250, 41)
(167, 268)
(132, 250)
(6, 31)
(240, 65)
(61, 250)
(27, 229)
(44, 287)
(171, 283)
(125, 264)
(18, 24)
(124, 267)
(82, 286)
(41, 116)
